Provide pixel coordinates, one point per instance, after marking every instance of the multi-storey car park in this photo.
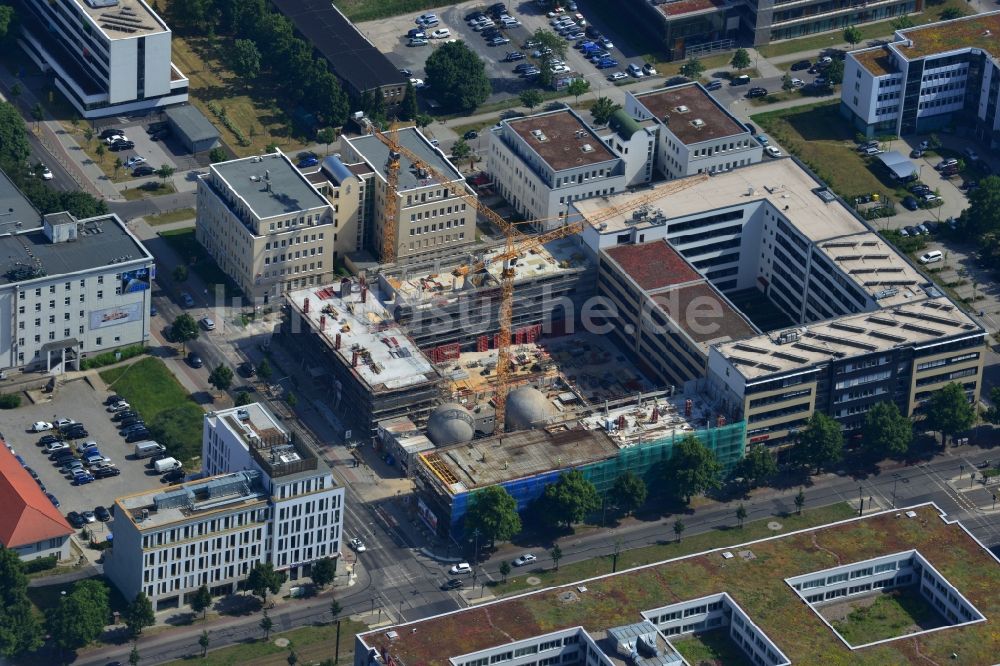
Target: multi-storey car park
(799, 265)
(777, 601)
(108, 57)
(927, 78)
(265, 497)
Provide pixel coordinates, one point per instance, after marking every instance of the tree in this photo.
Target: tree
(20, 630)
(118, 165)
(835, 72)
(266, 623)
(983, 213)
(291, 399)
(292, 658)
(556, 555)
(245, 60)
(628, 493)
(244, 398)
(949, 411)
(139, 614)
(323, 571)
(37, 114)
(741, 514)
(578, 87)
(335, 610)
(504, 570)
(800, 501)
(692, 69)
(202, 601)
(570, 499)
(949, 13)
(222, 377)
(408, 110)
(326, 136)
(217, 154)
(88, 135)
(14, 147)
(264, 370)
(786, 83)
(180, 273)
(821, 442)
(530, 97)
(16, 89)
(494, 513)
(185, 329)
(460, 149)
(423, 120)
(741, 59)
(164, 172)
(692, 469)
(993, 413)
(852, 35)
(679, 528)
(603, 109)
(100, 152)
(458, 76)
(550, 47)
(263, 579)
(6, 18)
(80, 616)
(757, 466)
(133, 656)
(886, 431)
(902, 23)
(203, 641)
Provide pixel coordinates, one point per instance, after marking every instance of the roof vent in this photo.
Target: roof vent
(587, 148)
(697, 123)
(987, 33)
(681, 109)
(540, 135)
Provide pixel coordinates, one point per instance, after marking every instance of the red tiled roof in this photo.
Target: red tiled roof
(27, 516)
(653, 265)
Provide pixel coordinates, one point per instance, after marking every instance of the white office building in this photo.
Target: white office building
(109, 57)
(71, 289)
(542, 163)
(265, 497)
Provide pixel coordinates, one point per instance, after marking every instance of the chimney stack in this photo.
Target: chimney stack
(305, 306)
(336, 343)
(322, 322)
(354, 359)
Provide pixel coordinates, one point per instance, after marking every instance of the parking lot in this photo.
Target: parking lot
(167, 150)
(78, 401)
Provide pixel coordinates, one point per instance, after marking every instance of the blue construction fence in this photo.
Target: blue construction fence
(726, 442)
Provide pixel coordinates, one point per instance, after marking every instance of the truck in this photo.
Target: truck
(166, 465)
(148, 449)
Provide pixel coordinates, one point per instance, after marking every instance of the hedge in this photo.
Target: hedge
(112, 357)
(41, 564)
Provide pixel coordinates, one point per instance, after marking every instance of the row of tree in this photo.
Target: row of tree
(694, 469)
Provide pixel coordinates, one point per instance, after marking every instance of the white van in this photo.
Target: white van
(931, 257)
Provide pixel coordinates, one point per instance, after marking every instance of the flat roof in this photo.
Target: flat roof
(192, 122)
(387, 358)
(703, 313)
(875, 266)
(653, 265)
(635, 423)
(680, 107)
(160, 507)
(784, 183)
(270, 185)
(349, 53)
(492, 460)
(919, 323)
(562, 139)
(16, 212)
(250, 423)
(979, 31)
(121, 19)
(756, 582)
(876, 60)
(684, 7)
(101, 241)
(376, 154)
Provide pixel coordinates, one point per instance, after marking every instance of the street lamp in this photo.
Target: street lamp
(861, 501)
(895, 479)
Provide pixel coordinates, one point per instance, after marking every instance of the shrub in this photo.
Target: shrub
(10, 401)
(41, 564)
(108, 358)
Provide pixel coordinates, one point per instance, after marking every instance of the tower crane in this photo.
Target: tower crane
(516, 244)
(389, 221)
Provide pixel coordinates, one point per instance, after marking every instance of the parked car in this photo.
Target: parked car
(607, 63)
(102, 514)
(756, 92)
(524, 558)
(124, 414)
(115, 138)
(634, 70)
(648, 69)
(741, 80)
(358, 545)
(186, 300)
(246, 369)
(714, 84)
(916, 152)
(120, 406)
(452, 584)
(800, 65)
(194, 360)
(514, 55)
(119, 146)
(944, 164)
(418, 41)
(207, 323)
(308, 161)
(53, 499)
(460, 568)
(772, 152)
(499, 40)
(142, 171)
(129, 429)
(110, 132)
(41, 426)
(416, 33)
(75, 519)
(440, 33)
(82, 478)
(44, 172)
(617, 76)
(137, 436)
(762, 139)
(470, 135)
(48, 439)
(106, 472)
(911, 230)
(52, 447)
(909, 203)
(871, 152)
(130, 421)
(89, 516)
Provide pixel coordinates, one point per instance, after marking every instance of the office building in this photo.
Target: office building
(108, 57)
(927, 78)
(267, 226)
(265, 498)
(70, 289)
(431, 220)
(541, 163)
(30, 525)
(772, 602)
(796, 288)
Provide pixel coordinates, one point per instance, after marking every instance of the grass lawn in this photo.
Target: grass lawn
(174, 419)
(150, 188)
(892, 614)
(821, 138)
(170, 216)
(669, 548)
(931, 14)
(367, 10)
(185, 244)
(711, 648)
(312, 645)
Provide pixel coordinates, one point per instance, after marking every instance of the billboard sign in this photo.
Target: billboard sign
(428, 516)
(122, 314)
(137, 280)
